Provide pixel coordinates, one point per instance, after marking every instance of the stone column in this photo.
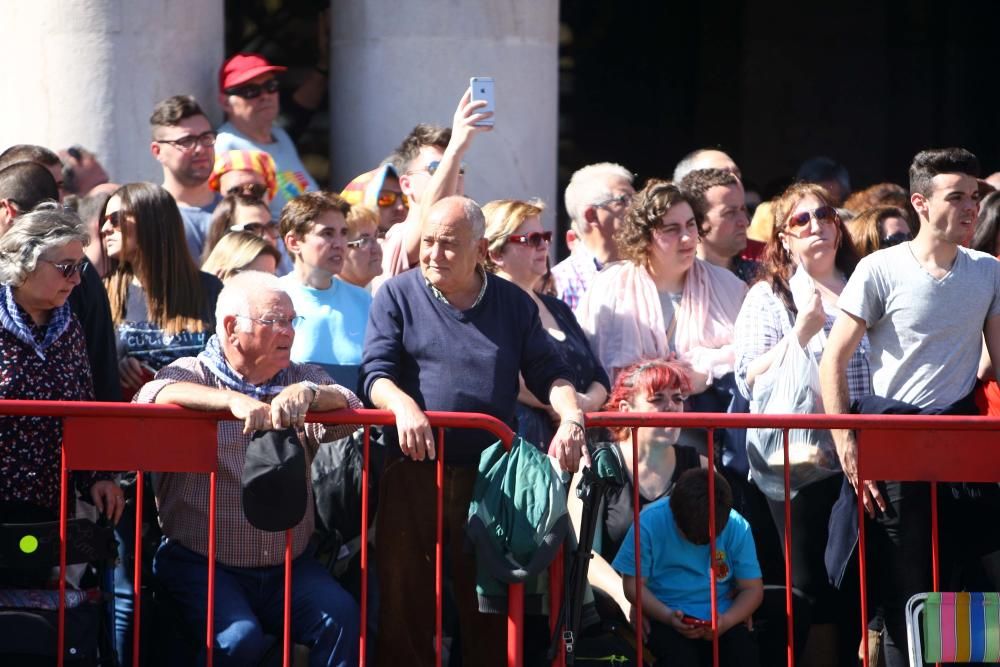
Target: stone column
(398, 64)
(89, 72)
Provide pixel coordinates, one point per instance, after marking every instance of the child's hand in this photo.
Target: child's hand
(686, 630)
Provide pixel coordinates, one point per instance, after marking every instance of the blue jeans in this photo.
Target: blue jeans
(249, 603)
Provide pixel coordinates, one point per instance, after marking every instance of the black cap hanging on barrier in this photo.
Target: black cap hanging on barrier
(274, 480)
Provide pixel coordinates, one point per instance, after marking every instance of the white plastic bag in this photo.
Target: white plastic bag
(791, 386)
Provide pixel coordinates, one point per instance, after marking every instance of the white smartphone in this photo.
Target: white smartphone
(482, 89)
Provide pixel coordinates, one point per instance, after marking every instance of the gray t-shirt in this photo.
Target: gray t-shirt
(670, 302)
(925, 334)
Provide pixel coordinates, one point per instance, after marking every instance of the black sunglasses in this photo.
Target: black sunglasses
(249, 91)
(248, 190)
(67, 269)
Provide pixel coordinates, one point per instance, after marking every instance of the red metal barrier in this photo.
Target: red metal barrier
(969, 442)
(172, 439)
(156, 438)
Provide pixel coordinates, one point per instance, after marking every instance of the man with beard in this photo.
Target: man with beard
(184, 143)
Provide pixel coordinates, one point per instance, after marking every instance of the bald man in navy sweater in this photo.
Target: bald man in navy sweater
(449, 337)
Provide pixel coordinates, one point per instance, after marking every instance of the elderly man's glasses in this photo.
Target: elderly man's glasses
(388, 199)
(67, 269)
(362, 243)
(249, 91)
(277, 322)
(621, 200)
(248, 190)
(534, 239)
(186, 143)
(823, 214)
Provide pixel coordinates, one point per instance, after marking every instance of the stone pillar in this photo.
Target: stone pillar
(89, 72)
(398, 64)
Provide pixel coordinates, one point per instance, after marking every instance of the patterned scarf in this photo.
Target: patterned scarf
(12, 319)
(215, 361)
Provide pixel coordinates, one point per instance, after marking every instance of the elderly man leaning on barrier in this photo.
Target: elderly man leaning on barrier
(245, 369)
(449, 337)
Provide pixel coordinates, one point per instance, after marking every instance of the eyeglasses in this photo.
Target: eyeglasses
(534, 239)
(67, 269)
(433, 165)
(276, 323)
(823, 214)
(114, 219)
(621, 200)
(388, 199)
(186, 143)
(249, 91)
(362, 243)
(258, 228)
(248, 190)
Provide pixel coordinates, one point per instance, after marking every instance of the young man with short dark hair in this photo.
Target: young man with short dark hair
(926, 306)
(184, 143)
(719, 204)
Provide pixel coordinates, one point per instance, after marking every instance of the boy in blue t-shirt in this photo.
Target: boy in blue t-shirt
(676, 585)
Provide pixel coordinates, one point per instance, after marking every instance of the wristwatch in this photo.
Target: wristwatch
(315, 390)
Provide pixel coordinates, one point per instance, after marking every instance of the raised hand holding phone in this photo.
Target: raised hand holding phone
(483, 91)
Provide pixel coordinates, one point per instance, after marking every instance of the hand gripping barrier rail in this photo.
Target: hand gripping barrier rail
(157, 438)
(890, 447)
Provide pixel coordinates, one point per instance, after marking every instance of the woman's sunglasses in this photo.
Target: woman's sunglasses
(67, 269)
(534, 239)
(824, 214)
(249, 91)
(114, 219)
(248, 190)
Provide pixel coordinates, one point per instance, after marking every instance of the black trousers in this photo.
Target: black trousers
(737, 648)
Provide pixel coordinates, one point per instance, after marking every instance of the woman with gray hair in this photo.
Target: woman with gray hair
(43, 357)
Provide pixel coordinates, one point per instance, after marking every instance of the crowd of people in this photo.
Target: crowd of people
(238, 284)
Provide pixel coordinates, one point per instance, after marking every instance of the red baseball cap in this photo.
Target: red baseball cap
(244, 66)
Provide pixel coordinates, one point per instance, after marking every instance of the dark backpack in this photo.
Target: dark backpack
(336, 479)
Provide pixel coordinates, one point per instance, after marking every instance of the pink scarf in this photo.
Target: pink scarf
(623, 318)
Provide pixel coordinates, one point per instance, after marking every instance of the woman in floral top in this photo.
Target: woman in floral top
(43, 357)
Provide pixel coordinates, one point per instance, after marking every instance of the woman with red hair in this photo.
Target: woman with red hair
(646, 386)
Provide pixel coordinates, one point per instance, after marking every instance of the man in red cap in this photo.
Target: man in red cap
(249, 96)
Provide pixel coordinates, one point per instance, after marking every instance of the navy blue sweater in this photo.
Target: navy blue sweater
(458, 360)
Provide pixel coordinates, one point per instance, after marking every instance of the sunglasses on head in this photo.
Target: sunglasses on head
(249, 91)
(388, 198)
(248, 190)
(534, 239)
(257, 228)
(824, 214)
(67, 269)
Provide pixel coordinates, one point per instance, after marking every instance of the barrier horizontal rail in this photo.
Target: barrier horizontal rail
(187, 451)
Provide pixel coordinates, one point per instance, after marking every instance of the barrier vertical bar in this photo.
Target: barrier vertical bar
(935, 554)
(515, 625)
(711, 545)
(788, 554)
(210, 621)
(365, 472)
(63, 509)
(637, 546)
(286, 646)
(556, 601)
(439, 552)
(861, 564)
(137, 571)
